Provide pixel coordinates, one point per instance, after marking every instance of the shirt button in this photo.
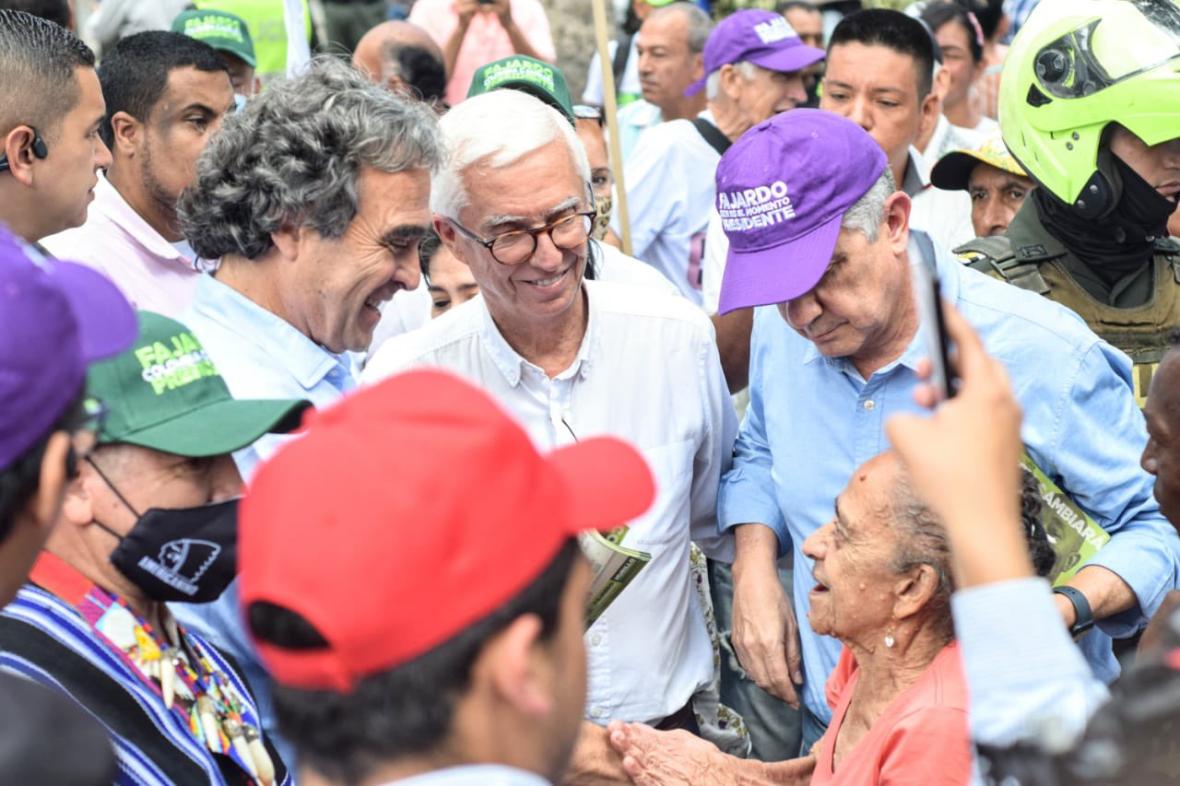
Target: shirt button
(598, 712)
(870, 405)
(596, 640)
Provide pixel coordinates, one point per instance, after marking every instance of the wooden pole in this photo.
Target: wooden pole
(610, 106)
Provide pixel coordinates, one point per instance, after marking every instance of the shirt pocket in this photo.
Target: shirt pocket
(667, 521)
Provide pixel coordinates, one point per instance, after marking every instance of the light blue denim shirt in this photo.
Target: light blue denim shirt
(812, 420)
(259, 355)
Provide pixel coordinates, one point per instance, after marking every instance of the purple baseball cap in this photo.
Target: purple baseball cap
(55, 319)
(782, 191)
(763, 38)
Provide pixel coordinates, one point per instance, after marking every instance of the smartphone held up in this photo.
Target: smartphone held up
(928, 296)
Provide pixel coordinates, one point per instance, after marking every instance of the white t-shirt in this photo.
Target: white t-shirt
(670, 190)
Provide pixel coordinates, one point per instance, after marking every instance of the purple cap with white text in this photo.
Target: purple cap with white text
(763, 38)
(782, 191)
(55, 319)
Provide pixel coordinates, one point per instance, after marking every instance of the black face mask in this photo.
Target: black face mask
(185, 555)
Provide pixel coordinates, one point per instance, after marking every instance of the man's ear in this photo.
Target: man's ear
(450, 238)
(515, 663)
(698, 66)
(730, 78)
(915, 590)
(18, 147)
(127, 134)
(931, 106)
(897, 221)
(46, 502)
(287, 241)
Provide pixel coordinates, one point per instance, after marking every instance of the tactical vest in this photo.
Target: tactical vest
(1141, 331)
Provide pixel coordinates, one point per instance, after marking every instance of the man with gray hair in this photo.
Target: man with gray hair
(754, 63)
(668, 48)
(560, 353)
(312, 200)
(51, 107)
(818, 229)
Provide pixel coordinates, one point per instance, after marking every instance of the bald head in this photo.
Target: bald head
(403, 58)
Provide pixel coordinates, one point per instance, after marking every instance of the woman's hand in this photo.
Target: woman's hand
(668, 758)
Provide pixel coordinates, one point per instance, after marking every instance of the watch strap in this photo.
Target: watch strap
(1081, 607)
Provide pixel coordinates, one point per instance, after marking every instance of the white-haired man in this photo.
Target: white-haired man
(513, 202)
(754, 64)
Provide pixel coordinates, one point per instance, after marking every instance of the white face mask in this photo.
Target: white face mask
(239, 102)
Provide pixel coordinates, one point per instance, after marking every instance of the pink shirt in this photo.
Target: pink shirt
(118, 242)
(920, 739)
(485, 40)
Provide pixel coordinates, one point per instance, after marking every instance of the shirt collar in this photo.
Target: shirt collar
(914, 181)
(307, 361)
(112, 204)
(511, 364)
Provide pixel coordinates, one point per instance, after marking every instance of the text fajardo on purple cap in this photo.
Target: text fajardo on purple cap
(782, 191)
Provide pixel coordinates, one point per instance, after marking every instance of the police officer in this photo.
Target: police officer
(1092, 119)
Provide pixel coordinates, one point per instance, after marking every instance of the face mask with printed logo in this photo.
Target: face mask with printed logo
(182, 555)
(602, 209)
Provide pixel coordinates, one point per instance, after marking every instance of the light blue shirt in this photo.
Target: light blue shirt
(812, 420)
(1027, 681)
(259, 355)
(474, 775)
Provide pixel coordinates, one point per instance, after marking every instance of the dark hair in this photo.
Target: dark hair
(791, 5)
(935, 16)
(428, 246)
(134, 74)
(419, 68)
(20, 479)
(56, 11)
(989, 13)
(408, 710)
(1035, 535)
(893, 30)
(37, 62)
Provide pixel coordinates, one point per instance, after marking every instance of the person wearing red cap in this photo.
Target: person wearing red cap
(428, 630)
(572, 358)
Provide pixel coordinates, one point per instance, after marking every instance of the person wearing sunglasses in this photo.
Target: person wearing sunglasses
(565, 355)
(51, 107)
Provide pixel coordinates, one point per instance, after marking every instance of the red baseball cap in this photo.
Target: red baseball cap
(409, 511)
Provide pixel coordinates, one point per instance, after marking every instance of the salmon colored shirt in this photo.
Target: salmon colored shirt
(920, 739)
(485, 40)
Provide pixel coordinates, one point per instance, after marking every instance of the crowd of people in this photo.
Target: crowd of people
(364, 422)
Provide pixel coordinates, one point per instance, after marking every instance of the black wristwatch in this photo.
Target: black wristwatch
(1081, 609)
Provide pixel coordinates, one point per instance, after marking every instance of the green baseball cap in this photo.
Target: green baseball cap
(219, 29)
(165, 393)
(527, 74)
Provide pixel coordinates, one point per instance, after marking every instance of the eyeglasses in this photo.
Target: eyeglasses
(513, 248)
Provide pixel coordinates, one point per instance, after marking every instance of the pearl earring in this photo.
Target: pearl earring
(889, 640)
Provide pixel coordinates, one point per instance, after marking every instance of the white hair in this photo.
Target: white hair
(497, 128)
(866, 215)
(713, 82)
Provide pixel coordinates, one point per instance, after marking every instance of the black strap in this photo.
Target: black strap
(619, 64)
(712, 134)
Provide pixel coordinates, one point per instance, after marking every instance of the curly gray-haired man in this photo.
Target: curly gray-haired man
(312, 200)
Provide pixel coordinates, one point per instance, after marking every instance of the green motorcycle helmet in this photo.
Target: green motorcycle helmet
(1078, 66)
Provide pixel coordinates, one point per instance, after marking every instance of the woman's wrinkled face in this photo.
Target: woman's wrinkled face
(853, 597)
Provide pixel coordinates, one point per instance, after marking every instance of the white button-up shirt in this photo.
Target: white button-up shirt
(648, 372)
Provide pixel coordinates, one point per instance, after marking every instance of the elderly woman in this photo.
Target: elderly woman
(898, 696)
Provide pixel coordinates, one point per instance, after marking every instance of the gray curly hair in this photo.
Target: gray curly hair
(293, 156)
